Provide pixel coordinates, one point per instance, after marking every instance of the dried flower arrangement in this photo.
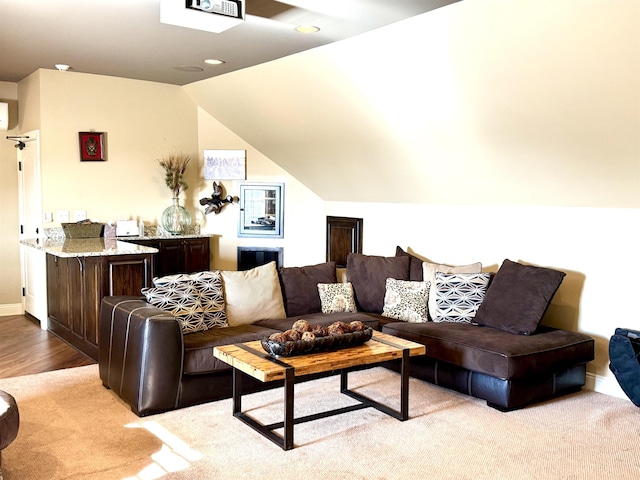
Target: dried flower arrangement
(174, 166)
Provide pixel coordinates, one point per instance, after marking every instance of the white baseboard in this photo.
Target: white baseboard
(11, 309)
(604, 384)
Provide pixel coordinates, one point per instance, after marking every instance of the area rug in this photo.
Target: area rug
(74, 428)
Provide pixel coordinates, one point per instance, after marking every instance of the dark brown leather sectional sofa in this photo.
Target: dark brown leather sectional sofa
(146, 359)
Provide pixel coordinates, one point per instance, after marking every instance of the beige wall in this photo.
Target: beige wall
(304, 222)
(142, 121)
(506, 102)
(10, 293)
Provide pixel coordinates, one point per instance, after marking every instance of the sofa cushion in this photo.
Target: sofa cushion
(495, 352)
(198, 347)
(208, 285)
(415, 265)
(336, 297)
(252, 295)
(406, 300)
(458, 296)
(518, 297)
(368, 274)
(429, 271)
(181, 300)
(300, 287)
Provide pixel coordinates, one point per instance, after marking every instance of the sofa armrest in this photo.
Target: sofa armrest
(140, 354)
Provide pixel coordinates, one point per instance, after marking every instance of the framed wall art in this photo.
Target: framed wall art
(225, 164)
(261, 210)
(92, 147)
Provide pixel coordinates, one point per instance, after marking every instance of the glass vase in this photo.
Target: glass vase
(176, 218)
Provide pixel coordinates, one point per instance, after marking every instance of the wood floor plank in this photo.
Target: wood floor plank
(26, 349)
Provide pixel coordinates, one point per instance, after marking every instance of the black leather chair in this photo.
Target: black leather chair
(624, 356)
(9, 422)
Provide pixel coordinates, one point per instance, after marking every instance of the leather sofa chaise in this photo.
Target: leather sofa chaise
(147, 358)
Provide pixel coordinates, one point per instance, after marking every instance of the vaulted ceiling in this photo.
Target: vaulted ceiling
(125, 38)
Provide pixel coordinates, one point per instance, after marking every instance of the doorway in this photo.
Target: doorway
(33, 261)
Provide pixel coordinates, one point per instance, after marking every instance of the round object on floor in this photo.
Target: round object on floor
(9, 419)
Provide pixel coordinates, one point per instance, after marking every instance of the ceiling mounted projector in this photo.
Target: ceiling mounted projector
(209, 15)
(228, 8)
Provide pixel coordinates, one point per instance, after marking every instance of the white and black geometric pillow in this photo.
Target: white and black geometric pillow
(211, 299)
(181, 300)
(406, 300)
(207, 287)
(458, 296)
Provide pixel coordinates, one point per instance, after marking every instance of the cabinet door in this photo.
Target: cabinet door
(54, 284)
(65, 297)
(170, 258)
(196, 255)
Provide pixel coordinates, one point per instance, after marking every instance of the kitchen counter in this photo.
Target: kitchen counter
(87, 247)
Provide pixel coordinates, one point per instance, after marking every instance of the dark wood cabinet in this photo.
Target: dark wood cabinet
(178, 255)
(76, 285)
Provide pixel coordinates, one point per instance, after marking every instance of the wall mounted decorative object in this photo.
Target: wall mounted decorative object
(225, 164)
(216, 202)
(92, 147)
(261, 210)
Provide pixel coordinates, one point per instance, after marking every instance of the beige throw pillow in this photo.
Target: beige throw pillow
(253, 295)
(429, 275)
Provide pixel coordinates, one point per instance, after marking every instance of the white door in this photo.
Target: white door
(34, 266)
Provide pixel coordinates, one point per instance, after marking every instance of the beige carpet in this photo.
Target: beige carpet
(73, 428)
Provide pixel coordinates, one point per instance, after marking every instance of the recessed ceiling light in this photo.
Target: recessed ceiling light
(213, 61)
(188, 68)
(62, 67)
(307, 29)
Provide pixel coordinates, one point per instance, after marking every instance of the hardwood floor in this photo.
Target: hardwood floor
(26, 349)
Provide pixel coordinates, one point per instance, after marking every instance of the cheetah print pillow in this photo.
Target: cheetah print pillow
(337, 297)
(406, 300)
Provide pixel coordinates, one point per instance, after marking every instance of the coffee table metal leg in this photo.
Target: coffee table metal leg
(403, 412)
(237, 391)
(289, 383)
(404, 387)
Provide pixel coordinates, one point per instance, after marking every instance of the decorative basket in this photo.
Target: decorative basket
(320, 344)
(82, 230)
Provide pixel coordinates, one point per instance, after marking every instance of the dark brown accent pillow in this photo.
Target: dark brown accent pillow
(518, 297)
(368, 275)
(415, 265)
(300, 287)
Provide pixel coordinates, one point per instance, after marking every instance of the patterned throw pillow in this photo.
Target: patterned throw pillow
(429, 273)
(407, 301)
(181, 300)
(337, 297)
(458, 296)
(208, 286)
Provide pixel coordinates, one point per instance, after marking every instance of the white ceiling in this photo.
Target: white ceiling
(124, 38)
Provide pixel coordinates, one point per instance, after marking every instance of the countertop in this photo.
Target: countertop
(87, 247)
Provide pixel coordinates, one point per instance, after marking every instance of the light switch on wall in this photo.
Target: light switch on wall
(48, 217)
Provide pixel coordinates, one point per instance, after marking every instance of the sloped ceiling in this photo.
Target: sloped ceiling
(477, 102)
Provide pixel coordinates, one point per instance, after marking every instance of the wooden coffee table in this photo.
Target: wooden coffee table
(251, 359)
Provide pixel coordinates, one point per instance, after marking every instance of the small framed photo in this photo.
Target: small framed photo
(261, 210)
(92, 147)
(225, 164)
